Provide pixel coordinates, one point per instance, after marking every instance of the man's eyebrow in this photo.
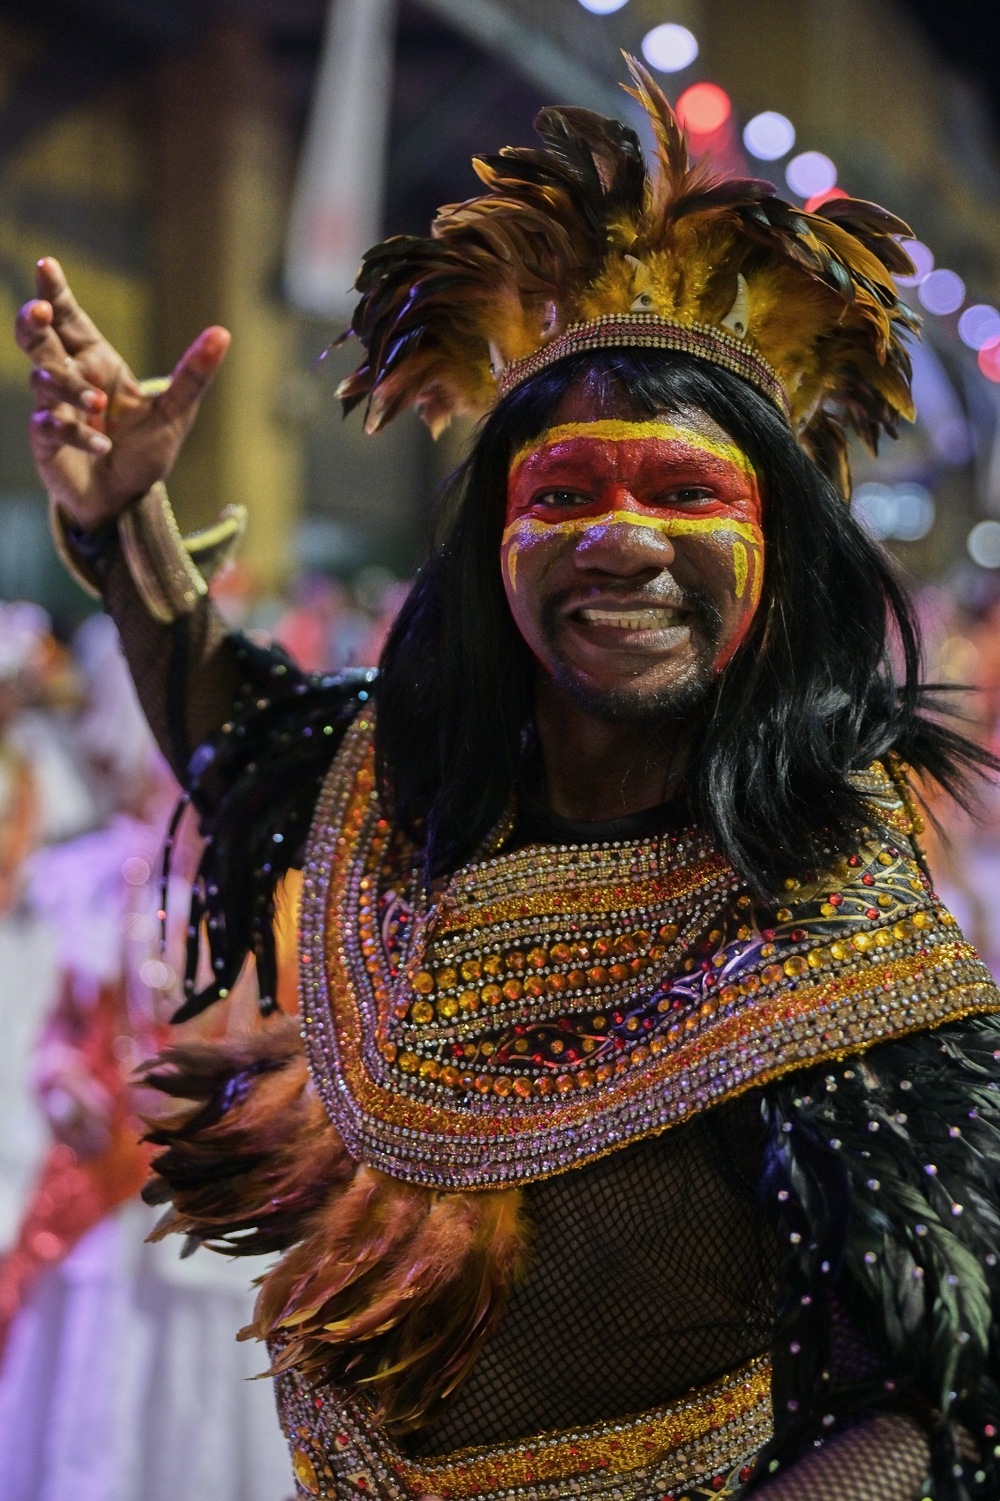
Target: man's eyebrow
(617, 430)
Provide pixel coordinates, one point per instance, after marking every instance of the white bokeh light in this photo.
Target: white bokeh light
(669, 47)
(904, 512)
(810, 172)
(769, 136)
(923, 262)
(978, 325)
(942, 292)
(983, 544)
(603, 7)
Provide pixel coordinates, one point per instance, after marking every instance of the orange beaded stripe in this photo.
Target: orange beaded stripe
(554, 1003)
(703, 1444)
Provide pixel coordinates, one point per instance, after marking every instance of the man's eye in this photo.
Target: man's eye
(560, 500)
(689, 495)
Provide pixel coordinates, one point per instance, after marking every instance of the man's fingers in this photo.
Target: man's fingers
(193, 374)
(63, 427)
(34, 332)
(69, 320)
(65, 383)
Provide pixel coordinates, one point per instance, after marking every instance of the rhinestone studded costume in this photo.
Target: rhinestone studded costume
(481, 1050)
(552, 1004)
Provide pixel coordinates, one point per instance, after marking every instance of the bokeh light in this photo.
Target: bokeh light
(923, 262)
(983, 544)
(669, 47)
(904, 512)
(155, 974)
(603, 7)
(942, 292)
(704, 107)
(988, 359)
(818, 199)
(979, 325)
(769, 136)
(810, 172)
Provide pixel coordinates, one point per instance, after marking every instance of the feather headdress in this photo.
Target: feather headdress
(583, 244)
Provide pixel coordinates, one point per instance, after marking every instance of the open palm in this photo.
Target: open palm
(99, 439)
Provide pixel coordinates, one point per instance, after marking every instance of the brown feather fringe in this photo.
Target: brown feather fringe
(384, 1286)
(555, 240)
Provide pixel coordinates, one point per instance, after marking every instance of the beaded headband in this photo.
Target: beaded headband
(582, 245)
(647, 331)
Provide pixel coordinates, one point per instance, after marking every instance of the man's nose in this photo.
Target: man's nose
(625, 540)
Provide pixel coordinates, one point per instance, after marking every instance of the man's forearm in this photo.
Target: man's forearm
(179, 650)
(185, 670)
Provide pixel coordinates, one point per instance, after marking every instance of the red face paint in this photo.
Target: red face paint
(633, 551)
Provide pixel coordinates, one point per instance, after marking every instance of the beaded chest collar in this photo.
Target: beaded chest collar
(554, 1003)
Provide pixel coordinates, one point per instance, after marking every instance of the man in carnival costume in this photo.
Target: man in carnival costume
(637, 1137)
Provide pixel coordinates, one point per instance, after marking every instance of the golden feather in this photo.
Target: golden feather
(383, 1285)
(554, 241)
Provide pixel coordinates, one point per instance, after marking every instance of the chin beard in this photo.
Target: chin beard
(628, 702)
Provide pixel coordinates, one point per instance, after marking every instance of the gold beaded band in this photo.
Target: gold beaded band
(649, 331)
(168, 569)
(702, 1445)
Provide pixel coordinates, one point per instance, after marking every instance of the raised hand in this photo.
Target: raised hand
(98, 441)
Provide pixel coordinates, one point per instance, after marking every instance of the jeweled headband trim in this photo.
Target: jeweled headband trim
(649, 331)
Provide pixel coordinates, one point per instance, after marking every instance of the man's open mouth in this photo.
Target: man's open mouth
(646, 618)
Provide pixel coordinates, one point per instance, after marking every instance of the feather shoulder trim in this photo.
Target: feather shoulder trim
(384, 1287)
(884, 1174)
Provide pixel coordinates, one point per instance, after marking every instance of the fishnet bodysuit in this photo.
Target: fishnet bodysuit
(652, 1271)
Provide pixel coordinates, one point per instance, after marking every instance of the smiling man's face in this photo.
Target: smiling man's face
(632, 554)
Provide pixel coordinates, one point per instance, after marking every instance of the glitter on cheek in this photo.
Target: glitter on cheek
(518, 539)
(529, 533)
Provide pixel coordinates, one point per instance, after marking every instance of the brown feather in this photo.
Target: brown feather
(552, 241)
(383, 1284)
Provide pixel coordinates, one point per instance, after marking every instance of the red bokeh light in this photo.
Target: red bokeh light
(813, 203)
(989, 359)
(704, 107)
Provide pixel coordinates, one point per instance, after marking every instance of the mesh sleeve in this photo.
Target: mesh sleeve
(886, 1458)
(186, 671)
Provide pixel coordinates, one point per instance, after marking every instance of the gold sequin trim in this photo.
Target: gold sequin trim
(489, 1051)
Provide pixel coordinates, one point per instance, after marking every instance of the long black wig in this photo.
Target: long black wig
(827, 680)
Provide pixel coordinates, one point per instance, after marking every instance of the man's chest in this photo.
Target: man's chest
(548, 1004)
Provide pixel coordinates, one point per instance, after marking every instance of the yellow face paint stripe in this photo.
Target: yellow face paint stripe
(614, 430)
(523, 530)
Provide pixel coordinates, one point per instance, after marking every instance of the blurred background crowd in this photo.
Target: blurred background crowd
(199, 161)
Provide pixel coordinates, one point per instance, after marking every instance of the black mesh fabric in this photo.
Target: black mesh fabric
(885, 1458)
(651, 1272)
(186, 673)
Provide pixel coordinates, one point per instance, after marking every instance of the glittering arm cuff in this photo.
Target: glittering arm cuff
(168, 569)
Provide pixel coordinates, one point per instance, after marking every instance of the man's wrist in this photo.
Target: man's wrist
(169, 570)
(157, 558)
(85, 552)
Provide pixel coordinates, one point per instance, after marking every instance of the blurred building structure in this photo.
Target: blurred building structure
(155, 150)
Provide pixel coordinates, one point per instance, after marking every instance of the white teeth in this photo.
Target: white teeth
(649, 619)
